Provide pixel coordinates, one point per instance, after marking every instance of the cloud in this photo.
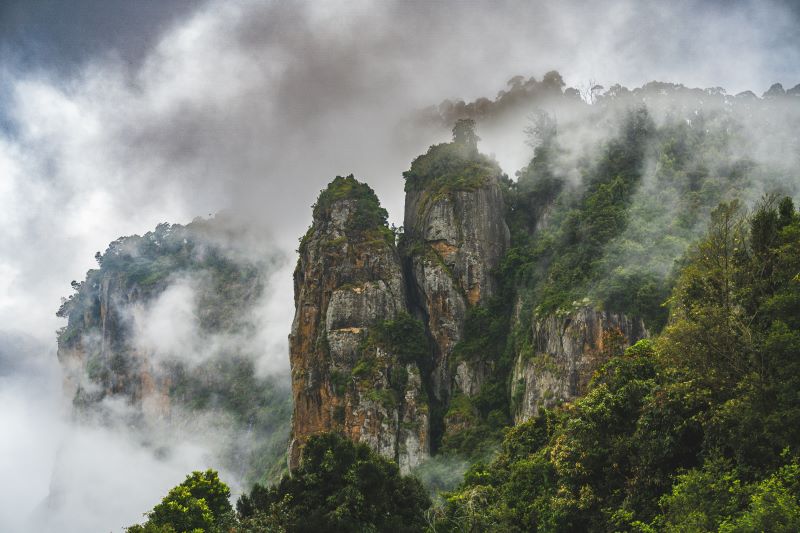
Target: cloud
(105, 477)
(253, 107)
(168, 327)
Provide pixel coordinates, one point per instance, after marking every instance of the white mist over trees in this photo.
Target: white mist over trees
(221, 109)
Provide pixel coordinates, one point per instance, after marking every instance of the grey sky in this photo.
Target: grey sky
(118, 115)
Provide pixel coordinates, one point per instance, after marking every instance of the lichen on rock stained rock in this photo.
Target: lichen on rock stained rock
(348, 279)
(455, 237)
(565, 351)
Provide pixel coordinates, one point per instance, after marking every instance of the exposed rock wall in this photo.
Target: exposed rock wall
(348, 279)
(454, 240)
(565, 351)
(162, 338)
(97, 352)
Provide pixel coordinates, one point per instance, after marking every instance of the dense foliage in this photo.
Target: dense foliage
(617, 190)
(403, 336)
(199, 504)
(339, 486)
(695, 431)
(615, 194)
(449, 167)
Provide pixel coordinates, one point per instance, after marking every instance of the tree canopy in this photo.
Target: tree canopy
(696, 430)
(199, 504)
(339, 486)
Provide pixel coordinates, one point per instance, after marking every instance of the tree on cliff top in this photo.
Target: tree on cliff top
(464, 133)
(454, 166)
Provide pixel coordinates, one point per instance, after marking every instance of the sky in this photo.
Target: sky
(117, 115)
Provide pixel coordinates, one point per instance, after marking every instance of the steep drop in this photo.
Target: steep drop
(353, 346)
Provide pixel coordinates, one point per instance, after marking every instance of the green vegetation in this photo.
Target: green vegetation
(339, 486)
(608, 220)
(695, 431)
(366, 222)
(482, 418)
(604, 230)
(404, 337)
(562, 258)
(199, 504)
(450, 167)
(401, 339)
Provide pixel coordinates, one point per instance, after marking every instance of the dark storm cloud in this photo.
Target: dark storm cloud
(58, 35)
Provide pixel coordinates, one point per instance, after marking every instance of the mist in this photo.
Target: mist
(251, 108)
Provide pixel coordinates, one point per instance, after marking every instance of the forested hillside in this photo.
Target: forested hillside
(606, 341)
(694, 430)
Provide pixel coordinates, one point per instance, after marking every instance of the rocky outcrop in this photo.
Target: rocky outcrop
(563, 354)
(455, 236)
(161, 338)
(348, 282)
(98, 351)
(351, 284)
(102, 348)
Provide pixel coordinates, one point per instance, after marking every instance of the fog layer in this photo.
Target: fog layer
(252, 107)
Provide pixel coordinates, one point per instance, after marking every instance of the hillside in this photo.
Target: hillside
(606, 342)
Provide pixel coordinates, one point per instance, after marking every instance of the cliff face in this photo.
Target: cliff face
(565, 351)
(96, 348)
(350, 281)
(355, 296)
(349, 289)
(455, 236)
(165, 327)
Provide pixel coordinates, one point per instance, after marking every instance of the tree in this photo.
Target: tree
(553, 81)
(200, 503)
(542, 130)
(710, 331)
(464, 133)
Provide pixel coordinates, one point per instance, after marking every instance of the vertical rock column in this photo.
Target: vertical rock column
(349, 280)
(455, 235)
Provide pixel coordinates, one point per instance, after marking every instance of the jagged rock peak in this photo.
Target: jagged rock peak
(455, 237)
(454, 205)
(352, 206)
(351, 370)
